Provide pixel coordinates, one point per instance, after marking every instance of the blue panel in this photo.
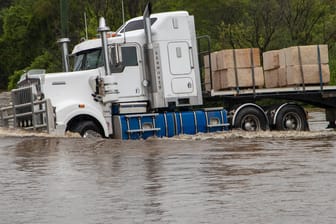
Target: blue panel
(216, 114)
(133, 125)
(123, 127)
(188, 123)
(177, 119)
(172, 123)
(160, 123)
(171, 131)
(201, 121)
(149, 121)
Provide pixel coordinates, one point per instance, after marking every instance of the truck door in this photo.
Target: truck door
(130, 77)
(180, 67)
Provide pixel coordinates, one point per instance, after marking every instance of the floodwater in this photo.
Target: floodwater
(234, 177)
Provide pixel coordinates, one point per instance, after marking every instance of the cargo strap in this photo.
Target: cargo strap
(252, 71)
(301, 69)
(235, 69)
(320, 66)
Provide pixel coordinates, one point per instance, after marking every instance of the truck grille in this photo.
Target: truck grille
(27, 112)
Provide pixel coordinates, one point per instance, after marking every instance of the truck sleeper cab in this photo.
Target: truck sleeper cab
(131, 74)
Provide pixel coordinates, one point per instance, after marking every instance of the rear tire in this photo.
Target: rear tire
(291, 118)
(251, 119)
(87, 129)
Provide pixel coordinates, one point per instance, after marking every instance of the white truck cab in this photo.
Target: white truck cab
(176, 65)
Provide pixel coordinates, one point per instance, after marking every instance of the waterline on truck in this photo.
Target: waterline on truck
(234, 134)
(10, 132)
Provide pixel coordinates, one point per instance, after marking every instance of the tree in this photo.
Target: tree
(29, 29)
(15, 23)
(302, 18)
(257, 25)
(266, 21)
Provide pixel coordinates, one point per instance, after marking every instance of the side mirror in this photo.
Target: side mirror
(118, 54)
(117, 65)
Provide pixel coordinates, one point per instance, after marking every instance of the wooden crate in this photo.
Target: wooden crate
(275, 77)
(228, 78)
(207, 80)
(309, 55)
(311, 74)
(225, 58)
(213, 59)
(273, 59)
(217, 80)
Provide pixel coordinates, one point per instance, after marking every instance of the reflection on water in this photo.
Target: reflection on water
(206, 179)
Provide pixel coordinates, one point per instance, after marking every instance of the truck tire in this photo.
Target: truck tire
(87, 129)
(251, 119)
(291, 118)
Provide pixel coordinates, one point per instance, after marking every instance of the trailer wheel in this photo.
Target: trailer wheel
(291, 118)
(87, 129)
(251, 119)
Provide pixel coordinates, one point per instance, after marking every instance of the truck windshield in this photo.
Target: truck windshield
(86, 60)
(93, 58)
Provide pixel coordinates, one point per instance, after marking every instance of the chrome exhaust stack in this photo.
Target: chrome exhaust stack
(147, 25)
(107, 87)
(65, 53)
(153, 76)
(103, 29)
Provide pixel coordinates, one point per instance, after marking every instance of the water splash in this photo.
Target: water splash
(263, 134)
(10, 132)
(4, 132)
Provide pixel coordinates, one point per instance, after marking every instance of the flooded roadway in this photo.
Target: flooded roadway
(217, 178)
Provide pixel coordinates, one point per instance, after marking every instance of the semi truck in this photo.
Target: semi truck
(146, 79)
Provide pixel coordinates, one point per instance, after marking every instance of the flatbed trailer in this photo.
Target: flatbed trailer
(321, 96)
(314, 95)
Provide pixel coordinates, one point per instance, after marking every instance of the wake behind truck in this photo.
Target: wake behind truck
(146, 80)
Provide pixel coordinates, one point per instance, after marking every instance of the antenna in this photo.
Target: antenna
(123, 17)
(123, 11)
(86, 28)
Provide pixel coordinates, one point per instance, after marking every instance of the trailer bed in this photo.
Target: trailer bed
(320, 96)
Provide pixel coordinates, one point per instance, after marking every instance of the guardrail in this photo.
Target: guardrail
(28, 113)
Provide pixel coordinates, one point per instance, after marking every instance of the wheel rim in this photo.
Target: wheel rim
(91, 134)
(251, 123)
(292, 121)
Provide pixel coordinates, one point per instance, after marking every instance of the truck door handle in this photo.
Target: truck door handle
(191, 58)
(189, 85)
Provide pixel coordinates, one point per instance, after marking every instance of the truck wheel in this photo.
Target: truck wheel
(251, 119)
(87, 129)
(291, 118)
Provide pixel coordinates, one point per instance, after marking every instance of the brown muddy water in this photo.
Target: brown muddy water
(235, 177)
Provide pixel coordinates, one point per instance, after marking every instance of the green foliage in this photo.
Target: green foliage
(13, 79)
(45, 61)
(332, 65)
(29, 28)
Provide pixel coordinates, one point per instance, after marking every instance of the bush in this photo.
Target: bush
(45, 61)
